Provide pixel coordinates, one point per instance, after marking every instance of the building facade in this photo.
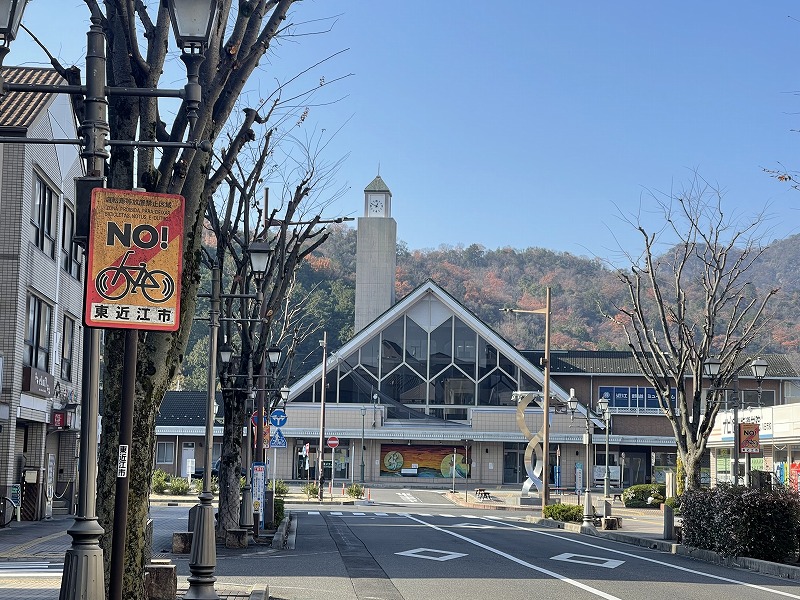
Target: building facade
(427, 393)
(40, 301)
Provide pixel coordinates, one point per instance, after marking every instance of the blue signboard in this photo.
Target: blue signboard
(633, 397)
(278, 417)
(277, 440)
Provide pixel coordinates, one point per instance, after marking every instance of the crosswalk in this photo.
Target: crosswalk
(342, 513)
(13, 569)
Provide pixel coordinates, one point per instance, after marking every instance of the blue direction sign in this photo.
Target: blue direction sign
(278, 417)
(277, 440)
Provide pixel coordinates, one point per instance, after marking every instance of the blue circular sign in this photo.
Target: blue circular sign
(278, 417)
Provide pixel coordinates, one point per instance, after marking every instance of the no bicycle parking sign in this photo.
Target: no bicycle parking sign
(135, 259)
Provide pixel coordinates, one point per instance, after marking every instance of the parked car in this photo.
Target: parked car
(199, 471)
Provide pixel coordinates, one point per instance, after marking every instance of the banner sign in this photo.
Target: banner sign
(134, 260)
(749, 442)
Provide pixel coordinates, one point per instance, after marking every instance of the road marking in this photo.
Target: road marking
(431, 554)
(409, 498)
(337, 513)
(595, 561)
(313, 512)
(381, 514)
(357, 514)
(653, 560)
(519, 561)
(473, 526)
(31, 569)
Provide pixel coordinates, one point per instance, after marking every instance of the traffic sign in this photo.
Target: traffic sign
(254, 419)
(278, 417)
(134, 260)
(278, 440)
(333, 441)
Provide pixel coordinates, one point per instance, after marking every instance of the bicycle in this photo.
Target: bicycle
(7, 508)
(135, 278)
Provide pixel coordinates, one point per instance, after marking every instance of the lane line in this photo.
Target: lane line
(652, 560)
(519, 561)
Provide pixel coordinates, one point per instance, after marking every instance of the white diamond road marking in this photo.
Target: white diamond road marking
(337, 513)
(474, 526)
(448, 516)
(595, 561)
(431, 554)
(381, 514)
(358, 514)
(313, 512)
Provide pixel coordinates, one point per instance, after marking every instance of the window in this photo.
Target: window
(37, 333)
(42, 217)
(165, 453)
(70, 252)
(67, 339)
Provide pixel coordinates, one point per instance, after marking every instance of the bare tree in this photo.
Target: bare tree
(690, 302)
(237, 218)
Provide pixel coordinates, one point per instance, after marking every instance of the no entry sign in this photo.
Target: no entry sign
(333, 441)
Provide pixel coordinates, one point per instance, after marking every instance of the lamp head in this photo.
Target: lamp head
(602, 404)
(274, 355)
(259, 257)
(10, 18)
(759, 368)
(711, 367)
(225, 352)
(192, 21)
(573, 401)
(285, 393)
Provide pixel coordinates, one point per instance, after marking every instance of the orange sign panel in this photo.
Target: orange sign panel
(748, 438)
(135, 259)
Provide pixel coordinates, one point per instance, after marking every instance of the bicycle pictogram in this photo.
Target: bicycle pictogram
(157, 286)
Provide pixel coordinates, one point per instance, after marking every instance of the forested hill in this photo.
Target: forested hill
(487, 280)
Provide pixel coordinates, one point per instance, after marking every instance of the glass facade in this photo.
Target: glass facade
(440, 368)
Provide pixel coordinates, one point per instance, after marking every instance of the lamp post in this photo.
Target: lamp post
(711, 368)
(363, 414)
(546, 393)
(605, 412)
(273, 357)
(192, 23)
(588, 509)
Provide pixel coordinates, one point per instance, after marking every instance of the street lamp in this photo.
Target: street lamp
(546, 392)
(363, 414)
(711, 369)
(588, 509)
(83, 562)
(605, 412)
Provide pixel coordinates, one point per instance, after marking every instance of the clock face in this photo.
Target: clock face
(376, 204)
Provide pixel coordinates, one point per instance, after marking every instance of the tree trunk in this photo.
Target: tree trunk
(230, 463)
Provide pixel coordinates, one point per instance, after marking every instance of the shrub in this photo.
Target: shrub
(355, 490)
(179, 486)
(739, 521)
(281, 488)
(160, 479)
(564, 512)
(644, 495)
(310, 489)
(674, 503)
(279, 511)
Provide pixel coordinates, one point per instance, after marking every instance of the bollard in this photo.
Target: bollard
(342, 488)
(669, 523)
(369, 495)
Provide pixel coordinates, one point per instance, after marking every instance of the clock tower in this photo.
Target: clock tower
(376, 254)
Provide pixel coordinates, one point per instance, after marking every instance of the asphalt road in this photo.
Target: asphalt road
(414, 545)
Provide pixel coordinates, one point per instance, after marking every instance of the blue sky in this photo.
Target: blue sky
(531, 123)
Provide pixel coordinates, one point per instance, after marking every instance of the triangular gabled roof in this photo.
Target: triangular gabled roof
(416, 303)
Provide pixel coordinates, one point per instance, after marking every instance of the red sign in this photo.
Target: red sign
(333, 441)
(134, 261)
(748, 438)
(59, 419)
